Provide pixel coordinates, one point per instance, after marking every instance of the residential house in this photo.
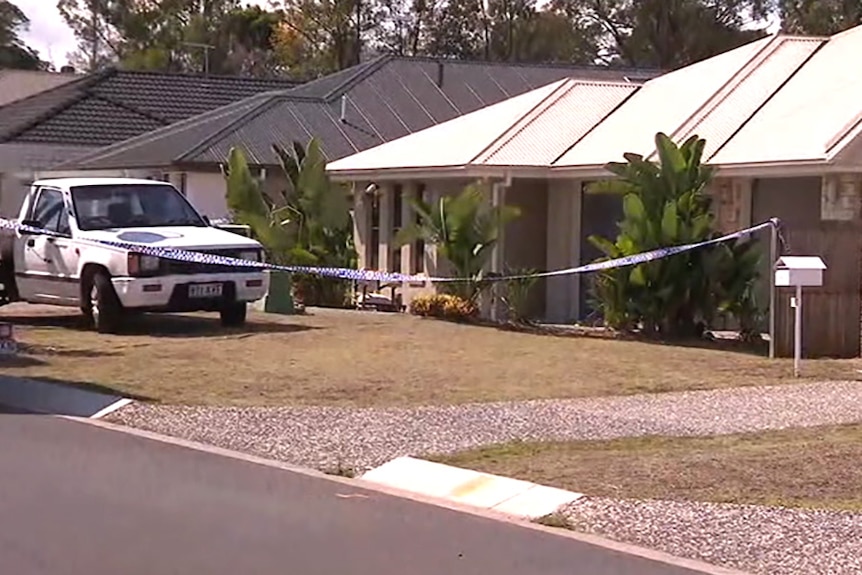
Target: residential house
(85, 113)
(18, 84)
(782, 118)
(348, 111)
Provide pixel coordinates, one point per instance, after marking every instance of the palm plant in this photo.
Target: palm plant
(465, 231)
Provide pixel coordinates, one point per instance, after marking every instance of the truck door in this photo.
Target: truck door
(46, 266)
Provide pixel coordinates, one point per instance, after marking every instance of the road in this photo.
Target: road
(77, 499)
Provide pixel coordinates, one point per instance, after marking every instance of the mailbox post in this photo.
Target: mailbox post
(798, 272)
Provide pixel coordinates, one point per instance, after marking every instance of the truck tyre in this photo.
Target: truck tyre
(100, 303)
(233, 314)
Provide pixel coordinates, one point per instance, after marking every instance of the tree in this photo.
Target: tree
(665, 34)
(465, 230)
(819, 17)
(666, 204)
(306, 223)
(215, 36)
(14, 53)
(319, 37)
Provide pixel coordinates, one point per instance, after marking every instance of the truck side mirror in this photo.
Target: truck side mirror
(30, 224)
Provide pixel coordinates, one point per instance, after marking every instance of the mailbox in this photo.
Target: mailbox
(798, 271)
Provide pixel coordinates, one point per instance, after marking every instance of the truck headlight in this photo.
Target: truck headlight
(253, 255)
(142, 264)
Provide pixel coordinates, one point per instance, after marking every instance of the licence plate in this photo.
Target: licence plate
(205, 290)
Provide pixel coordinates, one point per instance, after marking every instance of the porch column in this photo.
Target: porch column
(384, 253)
(407, 217)
(361, 223)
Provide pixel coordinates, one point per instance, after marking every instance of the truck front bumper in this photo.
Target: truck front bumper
(194, 292)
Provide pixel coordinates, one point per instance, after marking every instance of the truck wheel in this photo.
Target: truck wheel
(100, 304)
(233, 314)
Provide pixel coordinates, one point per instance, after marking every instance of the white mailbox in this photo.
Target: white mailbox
(793, 271)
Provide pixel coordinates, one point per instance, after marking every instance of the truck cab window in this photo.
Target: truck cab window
(106, 206)
(50, 211)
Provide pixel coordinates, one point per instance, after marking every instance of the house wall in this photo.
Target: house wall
(525, 243)
(564, 241)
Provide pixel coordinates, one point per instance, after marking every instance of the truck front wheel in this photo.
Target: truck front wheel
(233, 314)
(100, 303)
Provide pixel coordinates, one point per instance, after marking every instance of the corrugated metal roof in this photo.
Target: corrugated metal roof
(799, 122)
(561, 121)
(662, 105)
(444, 144)
(731, 107)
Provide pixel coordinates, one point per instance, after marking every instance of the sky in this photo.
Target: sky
(49, 34)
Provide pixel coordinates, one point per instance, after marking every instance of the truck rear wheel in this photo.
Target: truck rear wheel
(100, 303)
(234, 314)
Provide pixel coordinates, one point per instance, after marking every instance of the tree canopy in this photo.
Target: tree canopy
(309, 38)
(14, 52)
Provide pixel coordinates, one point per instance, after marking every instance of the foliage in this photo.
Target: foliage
(667, 204)
(171, 35)
(306, 223)
(14, 53)
(819, 17)
(516, 294)
(465, 229)
(444, 306)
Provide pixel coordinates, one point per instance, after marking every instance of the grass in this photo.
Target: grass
(338, 357)
(815, 467)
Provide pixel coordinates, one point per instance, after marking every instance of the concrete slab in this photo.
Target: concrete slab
(509, 496)
(43, 397)
(536, 502)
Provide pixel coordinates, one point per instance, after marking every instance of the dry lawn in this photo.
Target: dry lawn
(815, 467)
(367, 358)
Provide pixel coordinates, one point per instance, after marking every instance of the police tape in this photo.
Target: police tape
(374, 275)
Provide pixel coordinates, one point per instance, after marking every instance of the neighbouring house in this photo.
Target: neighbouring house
(84, 113)
(19, 84)
(782, 118)
(348, 111)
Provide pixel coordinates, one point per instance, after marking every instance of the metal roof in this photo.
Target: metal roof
(775, 101)
(350, 111)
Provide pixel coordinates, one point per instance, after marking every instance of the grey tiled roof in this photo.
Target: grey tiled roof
(383, 99)
(114, 105)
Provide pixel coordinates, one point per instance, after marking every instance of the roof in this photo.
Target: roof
(775, 101)
(18, 84)
(110, 106)
(349, 111)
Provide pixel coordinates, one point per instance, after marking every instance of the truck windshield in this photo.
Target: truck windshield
(105, 206)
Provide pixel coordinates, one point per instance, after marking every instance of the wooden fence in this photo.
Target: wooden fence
(832, 314)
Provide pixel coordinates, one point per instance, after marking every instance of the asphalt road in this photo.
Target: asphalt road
(79, 500)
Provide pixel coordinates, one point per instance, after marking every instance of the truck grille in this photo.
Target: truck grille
(176, 267)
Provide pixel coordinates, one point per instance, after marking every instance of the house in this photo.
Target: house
(348, 111)
(782, 118)
(18, 84)
(83, 113)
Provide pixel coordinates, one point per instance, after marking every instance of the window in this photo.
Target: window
(395, 250)
(105, 206)
(419, 245)
(50, 211)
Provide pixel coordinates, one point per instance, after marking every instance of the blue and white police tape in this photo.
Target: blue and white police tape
(373, 275)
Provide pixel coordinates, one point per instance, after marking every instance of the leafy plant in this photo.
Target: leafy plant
(443, 306)
(516, 294)
(465, 229)
(667, 204)
(305, 223)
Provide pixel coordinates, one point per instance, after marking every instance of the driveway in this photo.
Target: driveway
(77, 499)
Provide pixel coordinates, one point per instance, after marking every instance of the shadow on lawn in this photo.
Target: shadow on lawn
(95, 388)
(159, 325)
(578, 332)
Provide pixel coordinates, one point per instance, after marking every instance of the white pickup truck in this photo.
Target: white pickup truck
(107, 282)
